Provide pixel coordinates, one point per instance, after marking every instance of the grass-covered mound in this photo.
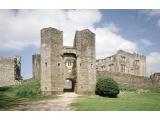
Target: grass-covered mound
(28, 91)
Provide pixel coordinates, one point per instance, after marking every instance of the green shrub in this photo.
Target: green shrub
(27, 89)
(107, 87)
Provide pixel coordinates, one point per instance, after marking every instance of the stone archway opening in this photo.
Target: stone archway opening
(69, 85)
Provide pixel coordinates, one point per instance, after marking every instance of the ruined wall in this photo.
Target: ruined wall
(10, 71)
(52, 79)
(36, 66)
(86, 67)
(127, 79)
(155, 79)
(123, 62)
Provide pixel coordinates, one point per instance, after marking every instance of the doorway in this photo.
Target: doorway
(68, 85)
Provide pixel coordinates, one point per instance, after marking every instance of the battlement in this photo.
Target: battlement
(131, 54)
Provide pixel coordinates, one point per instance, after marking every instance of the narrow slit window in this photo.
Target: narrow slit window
(46, 64)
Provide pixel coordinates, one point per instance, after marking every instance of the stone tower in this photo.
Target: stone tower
(36, 66)
(52, 81)
(86, 70)
(65, 68)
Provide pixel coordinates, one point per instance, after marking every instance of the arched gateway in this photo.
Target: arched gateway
(70, 75)
(67, 68)
(69, 85)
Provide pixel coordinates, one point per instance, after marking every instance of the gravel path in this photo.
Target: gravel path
(61, 103)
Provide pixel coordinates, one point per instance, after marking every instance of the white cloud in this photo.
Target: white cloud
(21, 29)
(153, 63)
(146, 42)
(108, 43)
(112, 27)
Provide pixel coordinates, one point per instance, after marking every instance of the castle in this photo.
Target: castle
(65, 68)
(123, 62)
(62, 66)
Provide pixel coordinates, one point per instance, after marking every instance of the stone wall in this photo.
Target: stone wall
(131, 80)
(123, 62)
(10, 71)
(155, 79)
(36, 66)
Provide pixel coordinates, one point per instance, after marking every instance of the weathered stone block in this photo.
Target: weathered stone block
(10, 71)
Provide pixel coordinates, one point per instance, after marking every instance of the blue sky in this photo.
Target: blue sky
(130, 30)
(135, 25)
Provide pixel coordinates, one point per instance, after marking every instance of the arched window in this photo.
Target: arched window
(69, 63)
(123, 68)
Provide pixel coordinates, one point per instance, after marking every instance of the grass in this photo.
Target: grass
(28, 91)
(126, 101)
(127, 88)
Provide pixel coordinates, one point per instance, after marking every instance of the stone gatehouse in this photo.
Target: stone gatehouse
(65, 68)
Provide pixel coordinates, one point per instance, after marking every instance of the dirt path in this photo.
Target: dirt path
(59, 104)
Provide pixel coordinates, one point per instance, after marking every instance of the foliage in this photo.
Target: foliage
(6, 101)
(107, 87)
(27, 89)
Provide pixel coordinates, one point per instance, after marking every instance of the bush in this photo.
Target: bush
(27, 89)
(107, 87)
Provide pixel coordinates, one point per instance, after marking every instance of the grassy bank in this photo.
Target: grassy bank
(28, 91)
(126, 101)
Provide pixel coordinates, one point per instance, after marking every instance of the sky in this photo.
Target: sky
(130, 30)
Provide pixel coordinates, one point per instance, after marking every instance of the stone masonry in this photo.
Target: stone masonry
(10, 71)
(127, 79)
(36, 66)
(61, 64)
(65, 68)
(123, 62)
